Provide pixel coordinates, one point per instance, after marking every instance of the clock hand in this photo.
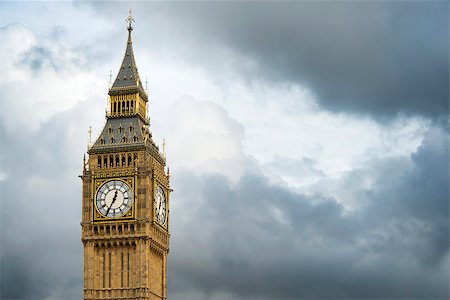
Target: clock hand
(159, 210)
(112, 202)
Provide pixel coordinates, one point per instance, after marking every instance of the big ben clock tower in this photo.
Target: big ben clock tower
(125, 200)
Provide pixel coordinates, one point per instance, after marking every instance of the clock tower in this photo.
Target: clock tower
(125, 198)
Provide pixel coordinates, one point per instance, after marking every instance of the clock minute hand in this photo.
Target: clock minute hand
(159, 208)
(112, 202)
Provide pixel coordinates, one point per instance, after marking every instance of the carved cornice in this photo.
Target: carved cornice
(116, 148)
(125, 90)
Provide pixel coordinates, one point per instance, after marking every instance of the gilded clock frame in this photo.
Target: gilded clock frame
(97, 217)
(156, 184)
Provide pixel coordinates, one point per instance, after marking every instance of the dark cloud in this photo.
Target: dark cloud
(418, 201)
(246, 240)
(41, 251)
(40, 58)
(36, 58)
(256, 240)
(376, 58)
(253, 239)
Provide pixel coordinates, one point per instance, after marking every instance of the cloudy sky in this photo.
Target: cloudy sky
(307, 142)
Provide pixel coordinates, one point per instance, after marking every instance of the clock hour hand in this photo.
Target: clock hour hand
(112, 202)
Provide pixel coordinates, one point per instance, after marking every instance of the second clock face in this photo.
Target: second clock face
(160, 206)
(114, 199)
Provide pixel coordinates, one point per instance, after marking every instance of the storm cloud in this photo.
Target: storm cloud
(257, 240)
(307, 144)
(382, 59)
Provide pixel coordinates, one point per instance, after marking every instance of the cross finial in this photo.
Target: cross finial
(130, 20)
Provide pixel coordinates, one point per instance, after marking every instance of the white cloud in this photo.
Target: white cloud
(201, 136)
(3, 176)
(41, 79)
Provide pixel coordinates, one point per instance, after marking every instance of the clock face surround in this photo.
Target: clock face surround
(160, 206)
(114, 199)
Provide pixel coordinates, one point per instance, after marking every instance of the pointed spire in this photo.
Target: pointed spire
(128, 76)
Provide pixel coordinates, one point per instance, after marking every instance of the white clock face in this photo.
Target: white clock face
(114, 199)
(160, 206)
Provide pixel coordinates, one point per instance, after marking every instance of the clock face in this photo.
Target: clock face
(160, 206)
(114, 199)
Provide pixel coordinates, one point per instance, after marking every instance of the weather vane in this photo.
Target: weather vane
(130, 20)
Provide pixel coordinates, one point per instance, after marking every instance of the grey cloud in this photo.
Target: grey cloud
(255, 240)
(41, 58)
(305, 167)
(41, 252)
(252, 239)
(420, 198)
(36, 58)
(376, 58)
(245, 240)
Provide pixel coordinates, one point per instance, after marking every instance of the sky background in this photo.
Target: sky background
(307, 143)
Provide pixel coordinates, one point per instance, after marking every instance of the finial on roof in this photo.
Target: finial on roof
(90, 134)
(164, 147)
(130, 20)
